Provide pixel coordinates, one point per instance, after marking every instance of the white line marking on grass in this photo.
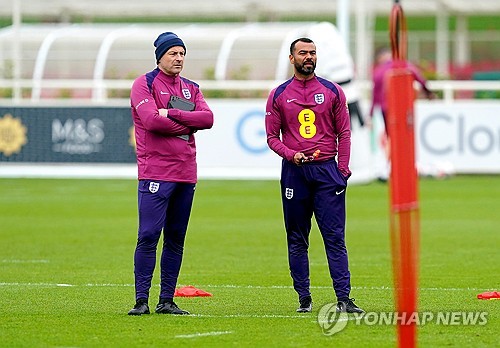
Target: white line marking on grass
(25, 261)
(228, 286)
(270, 316)
(108, 285)
(330, 287)
(36, 284)
(203, 334)
(288, 287)
(246, 286)
(327, 321)
(69, 285)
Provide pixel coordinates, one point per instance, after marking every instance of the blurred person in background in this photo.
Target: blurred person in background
(383, 64)
(308, 125)
(166, 159)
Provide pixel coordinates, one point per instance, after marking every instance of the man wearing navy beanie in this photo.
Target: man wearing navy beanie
(167, 173)
(166, 41)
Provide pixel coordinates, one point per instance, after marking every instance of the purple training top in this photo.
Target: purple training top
(166, 148)
(380, 74)
(310, 115)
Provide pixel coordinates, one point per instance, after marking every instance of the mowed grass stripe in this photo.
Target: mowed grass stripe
(251, 287)
(235, 249)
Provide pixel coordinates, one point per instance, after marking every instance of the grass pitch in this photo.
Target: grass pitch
(66, 266)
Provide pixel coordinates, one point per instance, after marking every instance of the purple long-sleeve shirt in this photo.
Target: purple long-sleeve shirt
(379, 75)
(309, 115)
(165, 146)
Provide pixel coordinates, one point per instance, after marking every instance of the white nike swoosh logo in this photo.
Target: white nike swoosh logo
(339, 192)
(161, 92)
(290, 100)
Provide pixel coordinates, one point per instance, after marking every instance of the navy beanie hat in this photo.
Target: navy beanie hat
(164, 42)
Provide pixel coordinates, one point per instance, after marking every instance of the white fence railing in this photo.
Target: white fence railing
(100, 88)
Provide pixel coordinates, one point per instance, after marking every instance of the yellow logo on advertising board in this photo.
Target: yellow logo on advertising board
(12, 135)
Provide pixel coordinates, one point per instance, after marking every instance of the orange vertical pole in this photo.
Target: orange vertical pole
(404, 221)
(404, 201)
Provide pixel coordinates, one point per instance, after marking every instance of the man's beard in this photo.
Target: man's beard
(305, 70)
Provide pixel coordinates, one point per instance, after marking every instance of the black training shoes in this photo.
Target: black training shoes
(305, 305)
(141, 307)
(169, 308)
(348, 307)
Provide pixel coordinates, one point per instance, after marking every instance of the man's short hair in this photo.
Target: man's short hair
(301, 39)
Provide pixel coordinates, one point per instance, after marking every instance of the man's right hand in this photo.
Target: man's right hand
(299, 158)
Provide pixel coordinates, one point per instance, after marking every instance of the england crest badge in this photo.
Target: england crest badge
(186, 93)
(319, 98)
(153, 187)
(288, 193)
